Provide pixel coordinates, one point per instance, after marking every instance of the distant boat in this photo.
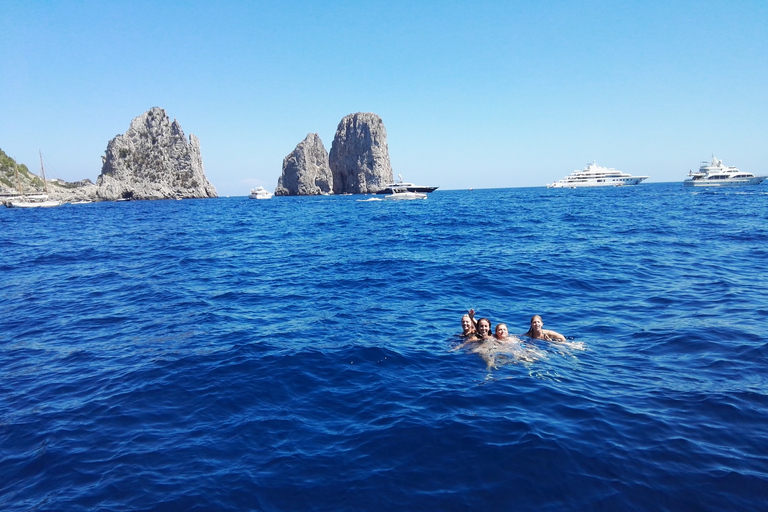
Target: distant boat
(595, 176)
(409, 187)
(34, 200)
(715, 174)
(260, 193)
(400, 194)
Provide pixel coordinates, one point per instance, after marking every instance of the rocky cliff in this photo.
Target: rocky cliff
(14, 175)
(153, 160)
(305, 170)
(359, 157)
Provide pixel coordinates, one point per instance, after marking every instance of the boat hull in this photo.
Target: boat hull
(595, 183)
(731, 182)
(405, 196)
(41, 204)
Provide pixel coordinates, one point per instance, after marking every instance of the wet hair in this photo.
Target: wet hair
(534, 317)
(490, 327)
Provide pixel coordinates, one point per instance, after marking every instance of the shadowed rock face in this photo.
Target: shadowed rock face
(153, 160)
(359, 157)
(305, 170)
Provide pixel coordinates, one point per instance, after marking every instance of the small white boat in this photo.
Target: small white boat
(260, 193)
(595, 176)
(400, 194)
(409, 187)
(715, 174)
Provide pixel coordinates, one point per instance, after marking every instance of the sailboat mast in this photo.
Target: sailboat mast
(42, 170)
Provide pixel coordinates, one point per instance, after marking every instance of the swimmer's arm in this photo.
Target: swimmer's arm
(468, 342)
(461, 346)
(554, 336)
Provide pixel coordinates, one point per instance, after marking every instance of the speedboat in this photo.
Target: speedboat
(260, 193)
(409, 187)
(595, 176)
(715, 174)
(404, 194)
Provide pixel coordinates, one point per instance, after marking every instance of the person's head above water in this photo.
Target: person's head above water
(537, 331)
(467, 326)
(484, 327)
(501, 331)
(536, 324)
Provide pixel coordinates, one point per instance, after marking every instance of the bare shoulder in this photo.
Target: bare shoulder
(554, 336)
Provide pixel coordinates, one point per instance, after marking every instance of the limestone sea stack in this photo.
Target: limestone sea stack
(305, 170)
(359, 157)
(153, 160)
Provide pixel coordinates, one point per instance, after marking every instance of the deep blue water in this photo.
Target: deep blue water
(295, 354)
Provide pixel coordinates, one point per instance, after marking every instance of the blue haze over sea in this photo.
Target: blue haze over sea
(295, 354)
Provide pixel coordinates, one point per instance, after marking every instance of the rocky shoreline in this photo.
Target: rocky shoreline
(152, 160)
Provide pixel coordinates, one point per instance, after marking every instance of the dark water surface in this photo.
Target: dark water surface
(295, 354)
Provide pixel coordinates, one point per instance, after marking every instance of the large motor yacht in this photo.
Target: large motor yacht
(595, 176)
(389, 188)
(715, 174)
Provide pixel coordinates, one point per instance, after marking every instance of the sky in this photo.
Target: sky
(473, 94)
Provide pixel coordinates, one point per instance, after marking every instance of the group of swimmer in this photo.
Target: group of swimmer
(477, 335)
(479, 330)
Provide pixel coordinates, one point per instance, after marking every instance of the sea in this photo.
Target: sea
(302, 353)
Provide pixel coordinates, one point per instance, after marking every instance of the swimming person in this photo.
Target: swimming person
(502, 332)
(467, 326)
(538, 332)
(484, 329)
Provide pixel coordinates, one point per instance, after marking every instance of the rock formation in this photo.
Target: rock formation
(153, 160)
(305, 170)
(359, 157)
(70, 191)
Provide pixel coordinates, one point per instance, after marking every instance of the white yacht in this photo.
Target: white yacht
(409, 187)
(399, 194)
(715, 174)
(595, 176)
(260, 193)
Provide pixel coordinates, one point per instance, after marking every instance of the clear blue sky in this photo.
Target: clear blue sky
(472, 93)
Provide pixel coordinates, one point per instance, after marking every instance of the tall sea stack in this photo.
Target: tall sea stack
(305, 170)
(359, 157)
(153, 160)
